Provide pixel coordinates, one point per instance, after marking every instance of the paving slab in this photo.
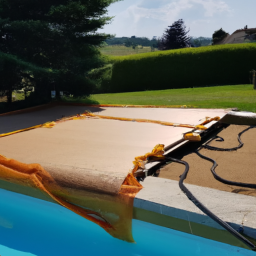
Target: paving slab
(166, 198)
(239, 117)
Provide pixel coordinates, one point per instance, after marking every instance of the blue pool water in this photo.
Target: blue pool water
(31, 226)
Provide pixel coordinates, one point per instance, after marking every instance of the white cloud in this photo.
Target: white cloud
(170, 12)
(151, 17)
(165, 13)
(212, 7)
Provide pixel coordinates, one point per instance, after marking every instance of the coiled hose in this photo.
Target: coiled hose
(221, 139)
(216, 176)
(204, 208)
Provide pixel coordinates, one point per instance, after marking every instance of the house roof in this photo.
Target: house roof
(246, 30)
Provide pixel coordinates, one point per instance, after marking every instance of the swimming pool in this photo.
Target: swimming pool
(30, 226)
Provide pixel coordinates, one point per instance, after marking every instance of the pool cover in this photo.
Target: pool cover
(86, 162)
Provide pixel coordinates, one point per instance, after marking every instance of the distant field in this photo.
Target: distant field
(119, 50)
(242, 97)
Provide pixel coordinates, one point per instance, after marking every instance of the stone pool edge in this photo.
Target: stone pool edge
(161, 202)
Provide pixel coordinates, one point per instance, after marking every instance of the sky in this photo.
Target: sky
(148, 18)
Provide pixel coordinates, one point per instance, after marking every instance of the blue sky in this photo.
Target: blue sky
(151, 17)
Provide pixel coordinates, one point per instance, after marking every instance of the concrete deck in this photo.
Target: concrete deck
(165, 197)
(239, 117)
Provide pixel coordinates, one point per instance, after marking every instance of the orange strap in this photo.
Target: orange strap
(88, 114)
(197, 127)
(126, 106)
(46, 125)
(130, 185)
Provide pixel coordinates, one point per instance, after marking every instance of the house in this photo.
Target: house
(240, 36)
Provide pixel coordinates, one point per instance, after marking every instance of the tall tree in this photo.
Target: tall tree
(218, 36)
(56, 34)
(175, 37)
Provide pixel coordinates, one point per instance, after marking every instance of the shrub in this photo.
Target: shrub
(183, 68)
(218, 36)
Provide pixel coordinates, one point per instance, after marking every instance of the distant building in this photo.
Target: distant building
(240, 36)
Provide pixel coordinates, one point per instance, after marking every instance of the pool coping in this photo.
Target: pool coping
(163, 197)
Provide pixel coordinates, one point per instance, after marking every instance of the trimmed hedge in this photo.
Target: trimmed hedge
(183, 68)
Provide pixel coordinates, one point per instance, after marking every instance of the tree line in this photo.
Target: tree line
(146, 42)
(175, 37)
(133, 41)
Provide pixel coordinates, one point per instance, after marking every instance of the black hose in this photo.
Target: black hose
(204, 208)
(221, 139)
(216, 176)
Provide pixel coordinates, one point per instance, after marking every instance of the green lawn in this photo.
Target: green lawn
(242, 97)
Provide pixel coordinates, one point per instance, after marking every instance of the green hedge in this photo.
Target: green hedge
(183, 68)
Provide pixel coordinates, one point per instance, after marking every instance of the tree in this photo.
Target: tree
(200, 41)
(16, 74)
(59, 35)
(175, 37)
(143, 41)
(128, 43)
(196, 42)
(218, 36)
(134, 46)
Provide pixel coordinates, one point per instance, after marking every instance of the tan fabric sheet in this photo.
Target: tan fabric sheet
(179, 116)
(111, 212)
(32, 117)
(92, 153)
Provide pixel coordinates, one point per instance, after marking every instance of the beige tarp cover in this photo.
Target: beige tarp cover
(85, 162)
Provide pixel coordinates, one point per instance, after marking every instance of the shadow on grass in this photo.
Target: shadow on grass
(84, 100)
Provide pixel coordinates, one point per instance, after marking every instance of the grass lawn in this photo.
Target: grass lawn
(242, 97)
(120, 50)
(17, 95)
